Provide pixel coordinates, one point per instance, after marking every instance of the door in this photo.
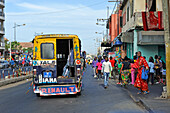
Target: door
(63, 49)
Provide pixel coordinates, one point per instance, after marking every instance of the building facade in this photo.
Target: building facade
(141, 28)
(2, 29)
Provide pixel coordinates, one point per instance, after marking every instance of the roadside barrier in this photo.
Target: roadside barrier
(16, 72)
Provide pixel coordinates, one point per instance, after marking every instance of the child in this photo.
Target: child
(99, 67)
(119, 65)
(151, 70)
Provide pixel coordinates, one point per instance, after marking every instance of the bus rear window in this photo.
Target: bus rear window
(47, 51)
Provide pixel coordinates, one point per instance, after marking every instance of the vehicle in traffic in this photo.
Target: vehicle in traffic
(4, 64)
(57, 65)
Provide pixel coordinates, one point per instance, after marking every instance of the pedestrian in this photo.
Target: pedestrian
(140, 83)
(94, 66)
(157, 68)
(112, 61)
(99, 67)
(119, 65)
(133, 71)
(144, 57)
(161, 69)
(103, 59)
(151, 70)
(125, 71)
(106, 69)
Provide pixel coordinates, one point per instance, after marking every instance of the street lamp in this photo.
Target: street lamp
(15, 26)
(100, 24)
(100, 33)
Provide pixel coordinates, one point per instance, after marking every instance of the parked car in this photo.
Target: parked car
(4, 64)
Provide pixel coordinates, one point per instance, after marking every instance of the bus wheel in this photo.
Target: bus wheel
(79, 93)
(37, 94)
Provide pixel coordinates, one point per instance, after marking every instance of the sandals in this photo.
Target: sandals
(146, 92)
(139, 92)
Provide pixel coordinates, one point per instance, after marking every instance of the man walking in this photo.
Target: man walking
(106, 69)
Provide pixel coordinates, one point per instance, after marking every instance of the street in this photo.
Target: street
(94, 99)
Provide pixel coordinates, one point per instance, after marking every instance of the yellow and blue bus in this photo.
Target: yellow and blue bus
(57, 64)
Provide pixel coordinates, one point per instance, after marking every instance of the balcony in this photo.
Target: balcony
(2, 45)
(134, 21)
(2, 16)
(2, 3)
(2, 31)
(152, 20)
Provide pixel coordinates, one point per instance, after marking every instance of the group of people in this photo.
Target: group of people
(130, 71)
(103, 67)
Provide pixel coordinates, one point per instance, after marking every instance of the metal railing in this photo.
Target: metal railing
(13, 73)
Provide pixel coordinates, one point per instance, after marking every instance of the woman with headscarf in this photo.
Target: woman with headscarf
(140, 83)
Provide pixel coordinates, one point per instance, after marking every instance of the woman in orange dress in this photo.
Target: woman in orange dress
(140, 83)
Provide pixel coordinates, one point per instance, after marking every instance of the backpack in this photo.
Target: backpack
(163, 64)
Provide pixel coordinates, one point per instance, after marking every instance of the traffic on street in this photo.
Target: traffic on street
(93, 99)
(84, 56)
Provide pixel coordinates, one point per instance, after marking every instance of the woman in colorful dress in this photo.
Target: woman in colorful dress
(140, 83)
(125, 71)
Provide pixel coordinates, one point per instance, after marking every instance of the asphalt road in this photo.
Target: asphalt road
(94, 99)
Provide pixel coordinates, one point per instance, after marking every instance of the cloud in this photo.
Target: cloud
(80, 21)
(35, 7)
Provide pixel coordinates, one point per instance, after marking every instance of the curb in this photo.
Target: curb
(138, 100)
(145, 106)
(14, 80)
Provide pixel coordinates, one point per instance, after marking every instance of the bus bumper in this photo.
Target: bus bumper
(56, 90)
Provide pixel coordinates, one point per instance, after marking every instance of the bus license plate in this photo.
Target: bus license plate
(58, 90)
(47, 74)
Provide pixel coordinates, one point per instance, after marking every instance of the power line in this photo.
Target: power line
(57, 11)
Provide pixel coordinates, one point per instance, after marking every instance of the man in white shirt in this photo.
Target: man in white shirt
(106, 69)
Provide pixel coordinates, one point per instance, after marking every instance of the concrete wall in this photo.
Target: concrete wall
(135, 17)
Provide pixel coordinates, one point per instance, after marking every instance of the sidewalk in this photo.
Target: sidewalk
(152, 101)
(15, 79)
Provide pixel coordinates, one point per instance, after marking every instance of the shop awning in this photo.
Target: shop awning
(116, 41)
(105, 44)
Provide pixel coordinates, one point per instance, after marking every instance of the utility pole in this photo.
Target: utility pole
(107, 31)
(166, 12)
(15, 31)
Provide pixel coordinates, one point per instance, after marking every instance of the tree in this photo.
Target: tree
(20, 47)
(29, 49)
(7, 45)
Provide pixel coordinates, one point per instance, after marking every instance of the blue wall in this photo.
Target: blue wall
(148, 51)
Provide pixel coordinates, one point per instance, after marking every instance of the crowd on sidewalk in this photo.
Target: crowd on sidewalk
(137, 71)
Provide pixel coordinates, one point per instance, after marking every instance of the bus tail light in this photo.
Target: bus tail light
(35, 72)
(78, 71)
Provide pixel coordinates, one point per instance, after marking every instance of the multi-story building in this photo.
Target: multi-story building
(2, 30)
(141, 28)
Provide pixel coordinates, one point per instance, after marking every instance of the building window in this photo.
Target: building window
(127, 14)
(151, 5)
(132, 7)
(124, 18)
(121, 21)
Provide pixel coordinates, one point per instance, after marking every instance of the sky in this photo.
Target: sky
(56, 17)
